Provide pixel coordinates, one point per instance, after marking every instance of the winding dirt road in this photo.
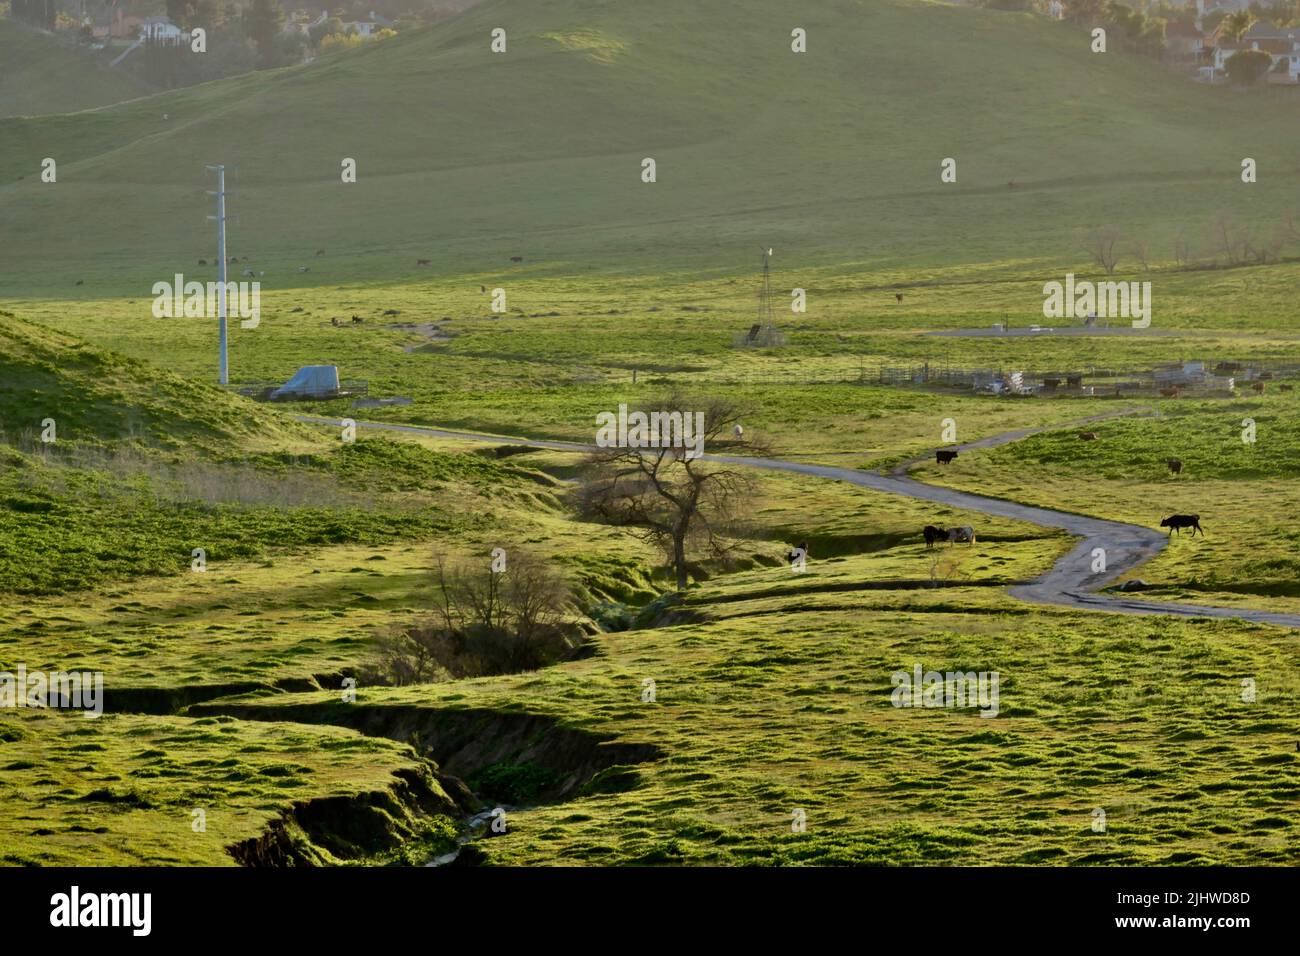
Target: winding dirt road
(1071, 582)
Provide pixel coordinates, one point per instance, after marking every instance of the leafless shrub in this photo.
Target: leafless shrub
(1101, 244)
(482, 623)
(1141, 251)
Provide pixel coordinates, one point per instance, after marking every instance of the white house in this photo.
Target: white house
(1281, 44)
(161, 28)
(368, 28)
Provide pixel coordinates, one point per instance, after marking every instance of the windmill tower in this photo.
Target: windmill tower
(764, 333)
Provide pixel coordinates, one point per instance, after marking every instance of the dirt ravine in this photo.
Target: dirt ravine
(1071, 582)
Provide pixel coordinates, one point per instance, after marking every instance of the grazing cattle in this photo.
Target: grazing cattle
(482, 288)
(800, 550)
(964, 533)
(1175, 465)
(79, 281)
(421, 262)
(248, 272)
(1258, 387)
(203, 262)
(320, 252)
(1286, 388)
(1179, 522)
(1011, 184)
(516, 258)
(933, 534)
(944, 457)
(738, 431)
(233, 259)
(1088, 436)
(1169, 392)
(898, 297)
(304, 268)
(357, 320)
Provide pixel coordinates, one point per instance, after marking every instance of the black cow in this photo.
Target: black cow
(800, 550)
(1175, 465)
(944, 457)
(933, 534)
(1178, 522)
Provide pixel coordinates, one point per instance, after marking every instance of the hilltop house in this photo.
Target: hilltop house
(161, 29)
(1282, 44)
(368, 28)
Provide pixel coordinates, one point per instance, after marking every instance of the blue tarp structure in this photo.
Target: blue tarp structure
(311, 381)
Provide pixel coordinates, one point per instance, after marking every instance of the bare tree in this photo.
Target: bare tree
(483, 622)
(678, 500)
(1141, 250)
(1227, 238)
(1100, 243)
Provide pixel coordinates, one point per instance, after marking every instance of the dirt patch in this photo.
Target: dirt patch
(428, 330)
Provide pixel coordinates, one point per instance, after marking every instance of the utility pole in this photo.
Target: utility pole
(220, 217)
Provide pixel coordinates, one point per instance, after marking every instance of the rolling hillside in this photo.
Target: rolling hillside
(39, 76)
(467, 157)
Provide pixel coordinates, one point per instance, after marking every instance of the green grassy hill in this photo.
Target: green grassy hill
(468, 157)
(39, 76)
(94, 395)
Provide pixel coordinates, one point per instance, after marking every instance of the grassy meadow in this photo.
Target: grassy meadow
(225, 684)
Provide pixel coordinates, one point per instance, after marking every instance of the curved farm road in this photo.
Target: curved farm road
(1070, 582)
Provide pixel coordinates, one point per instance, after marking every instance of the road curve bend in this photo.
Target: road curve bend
(1070, 582)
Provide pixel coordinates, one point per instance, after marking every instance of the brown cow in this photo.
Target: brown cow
(1258, 387)
(1088, 436)
(898, 297)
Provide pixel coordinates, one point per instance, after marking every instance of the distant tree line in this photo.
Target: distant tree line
(1224, 241)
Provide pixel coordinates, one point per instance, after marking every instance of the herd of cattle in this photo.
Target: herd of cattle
(932, 534)
(945, 456)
